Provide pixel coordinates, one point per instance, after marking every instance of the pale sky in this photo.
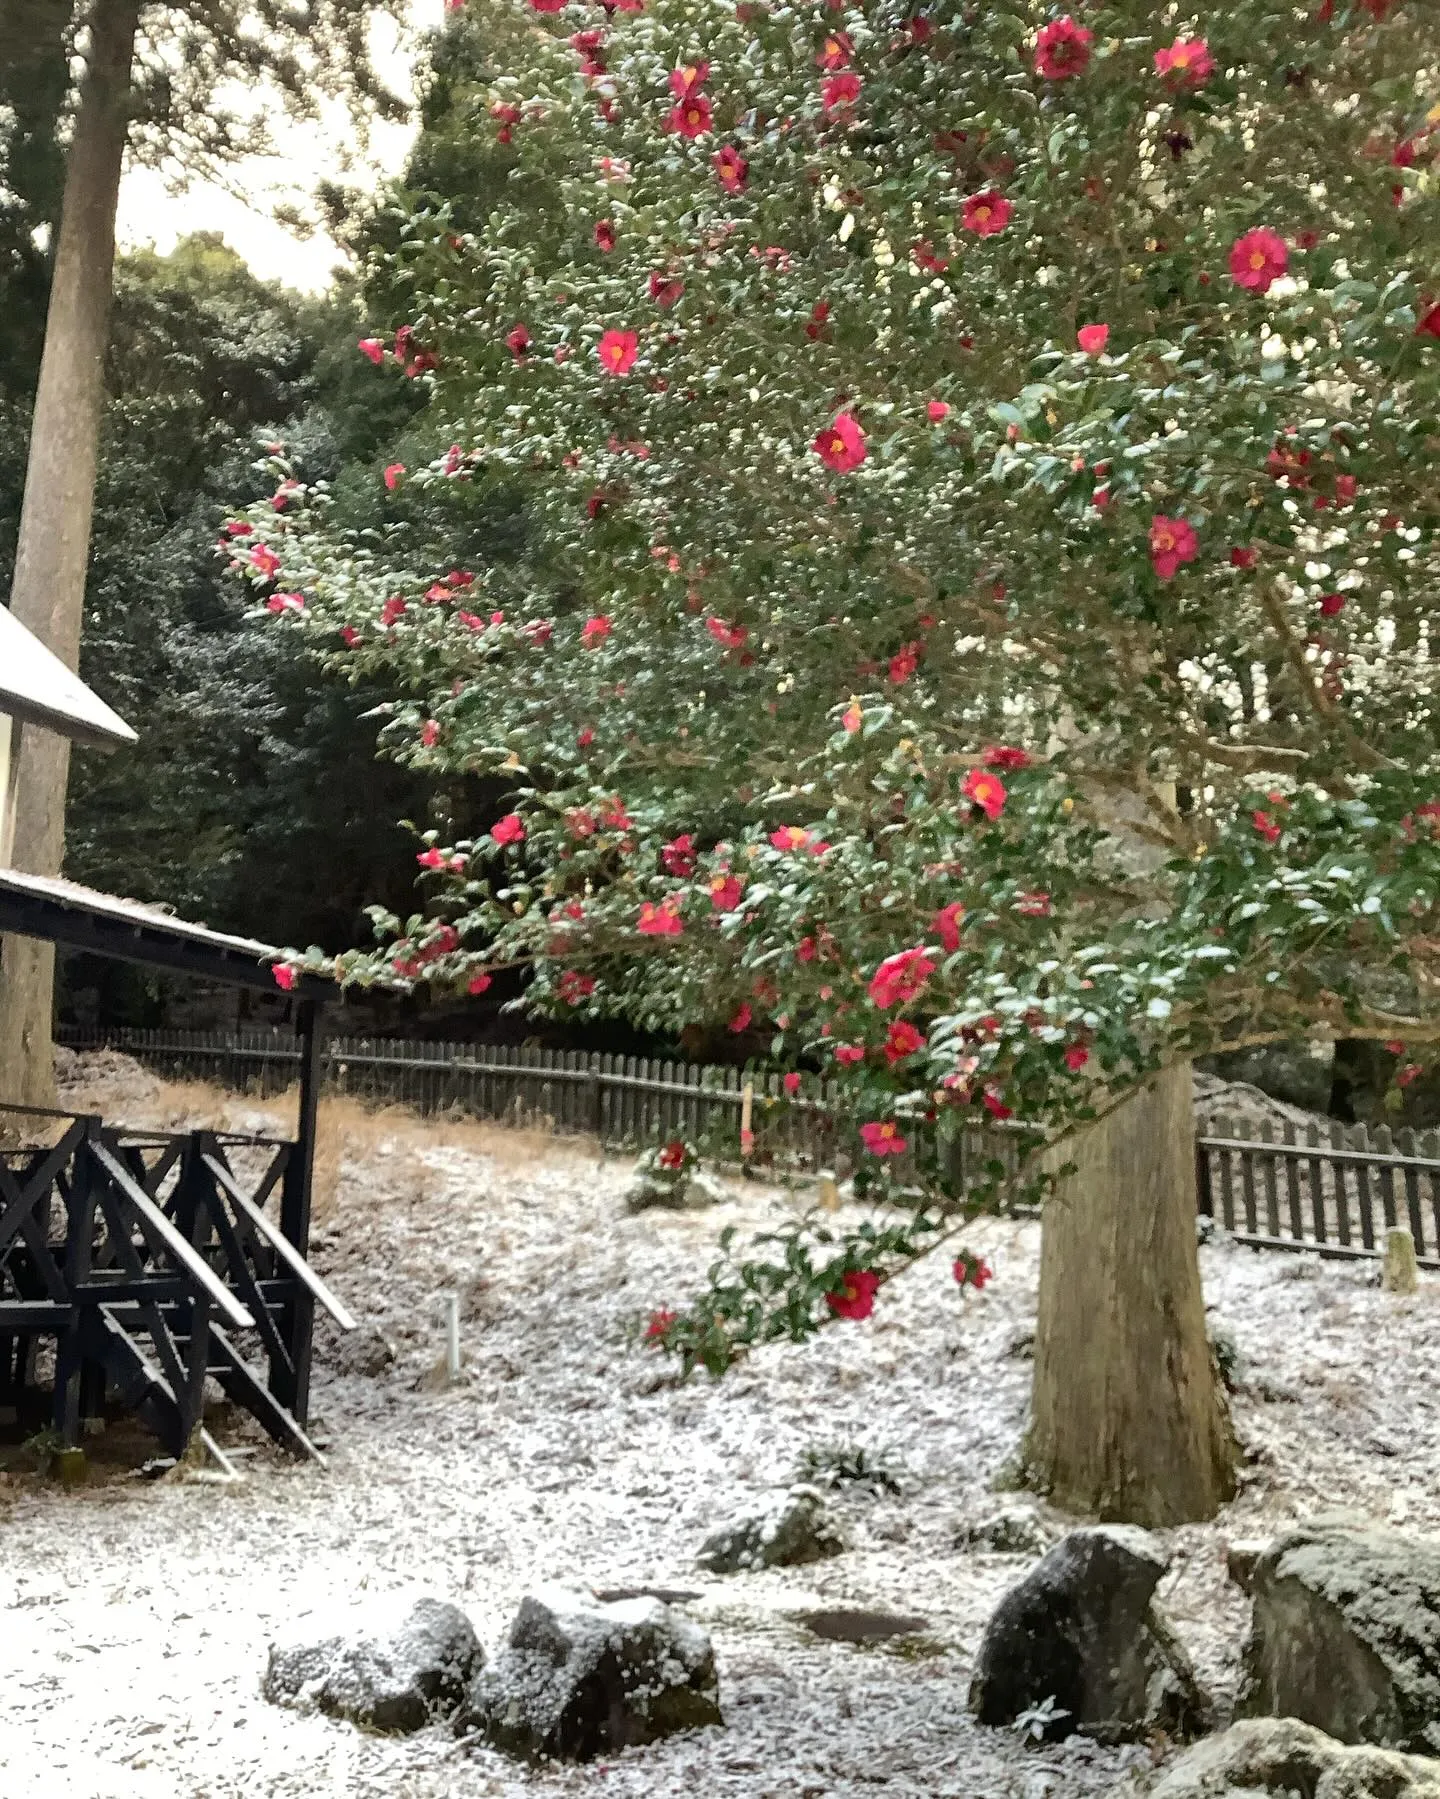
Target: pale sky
(308, 154)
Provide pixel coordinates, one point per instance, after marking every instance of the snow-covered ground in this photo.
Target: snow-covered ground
(134, 1616)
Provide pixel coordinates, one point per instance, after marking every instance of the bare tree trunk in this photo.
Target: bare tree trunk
(48, 593)
(1129, 1418)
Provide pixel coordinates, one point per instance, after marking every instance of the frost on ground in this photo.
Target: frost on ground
(135, 1617)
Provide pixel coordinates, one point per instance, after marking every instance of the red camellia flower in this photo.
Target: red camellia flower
(936, 410)
(986, 214)
(883, 1139)
(818, 320)
(1004, 755)
(285, 602)
(946, 925)
(617, 351)
(1257, 259)
(1266, 826)
(835, 52)
(986, 791)
(740, 1018)
(517, 342)
(678, 856)
(1331, 603)
(972, 1271)
(1186, 64)
(373, 348)
(855, 1296)
(1345, 489)
(791, 1084)
(510, 829)
(573, 986)
(725, 891)
(349, 636)
(841, 445)
(393, 474)
(1076, 1056)
(900, 977)
(672, 1154)
(662, 920)
(264, 559)
(995, 1105)
(839, 91)
(731, 167)
(477, 983)
(730, 637)
(1092, 339)
(1033, 905)
(687, 81)
(604, 235)
(659, 1326)
(848, 1054)
(595, 630)
(924, 257)
(284, 976)
(665, 290)
(1243, 558)
(1062, 49)
(692, 118)
(904, 663)
(393, 608)
(901, 1040)
(548, 5)
(1429, 325)
(791, 837)
(1172, 541)
(430, 733)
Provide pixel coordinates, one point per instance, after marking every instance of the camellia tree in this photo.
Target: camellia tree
(975, 613)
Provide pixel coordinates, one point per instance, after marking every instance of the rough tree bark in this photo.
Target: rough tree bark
(1129, 1418)
(48, 592)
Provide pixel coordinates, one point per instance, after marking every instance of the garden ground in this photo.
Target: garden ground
(134, 1616)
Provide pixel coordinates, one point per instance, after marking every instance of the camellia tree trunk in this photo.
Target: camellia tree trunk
(48, 594)
(1129, 1420)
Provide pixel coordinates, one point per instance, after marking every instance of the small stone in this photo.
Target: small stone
(580, 1678)
(1014, 1531)
(365, 1351)
(1283, 1757)
(1401, 1272)
(796, 1528)
(398, 1675)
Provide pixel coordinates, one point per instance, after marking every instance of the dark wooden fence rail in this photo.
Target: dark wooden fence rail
(1330, 1188)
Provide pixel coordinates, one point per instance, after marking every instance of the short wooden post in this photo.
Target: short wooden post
(1401, 1273)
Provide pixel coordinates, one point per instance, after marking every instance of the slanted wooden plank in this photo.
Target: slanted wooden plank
(241, 1383)
(284, 1249)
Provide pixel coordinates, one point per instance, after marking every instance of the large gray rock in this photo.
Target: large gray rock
(796, 1528)
(1081, 1629)
(1283, 1757)
(1345, 1635)
(580, 1678)
(399, 1674)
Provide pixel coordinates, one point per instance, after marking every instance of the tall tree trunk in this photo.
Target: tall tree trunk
(1129, 1420)
(48, 594)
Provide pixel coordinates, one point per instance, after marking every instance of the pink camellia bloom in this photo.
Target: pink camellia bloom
(264, 560)
(595, 630)
(839, 92)
(835, 52)
(604, 235)
(548, 5)
(791, 1084)
(285, 602)
(848, 1054)
(946, 925)
(678, 856)
(477, 983)
(1257, 259)
(393, 474)
(725, 891)
(430, 733)
(901, 976)
(731, 167)
(686, 81)
(1092, 339)
(883, 1139)
(841, 445)
(617, 351)
(660, 1325)
(1172, 541)
(985, 214)
(740, 1019)
(1266, 826)
(662, 920)
(1076, 1056)
(854, 1298)
(573, 986)
(665, 290)
(510, 829)
(692, 117)
(901, 1041)
(373, 348)
(284, 976)
(1033, 905)
(936, 410)
(1004, 755)
(1345, 489)
(995, 1105)
(517, 342)
(730, 637)
(349, 636)
(790, 837)
(392, 609)
(1062, 49)
(986, 791)
(1186, 64)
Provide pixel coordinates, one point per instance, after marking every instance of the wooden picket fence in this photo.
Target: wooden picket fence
(1327, 1188)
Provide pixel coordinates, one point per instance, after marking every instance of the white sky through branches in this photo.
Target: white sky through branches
(243, 210)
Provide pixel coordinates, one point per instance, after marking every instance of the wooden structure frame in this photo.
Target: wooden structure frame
(145, 1254)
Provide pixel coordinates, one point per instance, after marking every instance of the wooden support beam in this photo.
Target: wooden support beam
(282, 1246)
(240, 1382)
(292, 1387)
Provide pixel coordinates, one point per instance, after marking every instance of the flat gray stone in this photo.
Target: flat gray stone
(398, 1674)
(1283, 1757)
(796, 1528)
(1015, 1530)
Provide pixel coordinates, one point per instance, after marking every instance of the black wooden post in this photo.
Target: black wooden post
(70, 1339)
(292, 1388)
